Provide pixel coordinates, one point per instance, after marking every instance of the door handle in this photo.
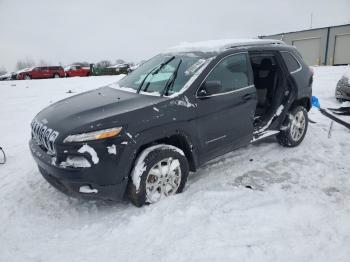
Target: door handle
(248, 97)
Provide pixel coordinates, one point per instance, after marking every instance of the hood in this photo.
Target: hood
(87, 111)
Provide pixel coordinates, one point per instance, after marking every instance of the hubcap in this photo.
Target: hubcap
(297, 128)
(163, 179)
(57, 76)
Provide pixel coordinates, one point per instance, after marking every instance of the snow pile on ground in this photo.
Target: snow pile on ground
(259, 203)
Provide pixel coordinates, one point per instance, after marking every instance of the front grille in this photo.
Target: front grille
(44, 136)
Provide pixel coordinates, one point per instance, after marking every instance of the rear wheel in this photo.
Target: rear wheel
(159, 171)
(297, 127)
(56, 76)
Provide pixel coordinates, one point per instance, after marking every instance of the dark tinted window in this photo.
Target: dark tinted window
(290, 61)
(232, 72)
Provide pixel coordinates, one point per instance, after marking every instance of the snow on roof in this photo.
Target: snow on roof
(219, 45)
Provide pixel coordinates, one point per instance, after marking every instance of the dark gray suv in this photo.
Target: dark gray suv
(140, 137)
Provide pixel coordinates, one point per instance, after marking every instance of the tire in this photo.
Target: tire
(151, 179)
(56, 76)
(67, 75)
(297, 127)
(27, 77)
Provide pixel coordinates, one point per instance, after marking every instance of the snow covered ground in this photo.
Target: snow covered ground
(259, 203)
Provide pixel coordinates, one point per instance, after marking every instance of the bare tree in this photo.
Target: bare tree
(103, 63)
(84, 63)
(42, 62)
(25, 63)
(119, 61)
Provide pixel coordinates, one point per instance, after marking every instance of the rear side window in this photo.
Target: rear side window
(291, 62)
(232, 72)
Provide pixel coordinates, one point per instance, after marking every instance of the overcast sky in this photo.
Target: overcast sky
(91, 30)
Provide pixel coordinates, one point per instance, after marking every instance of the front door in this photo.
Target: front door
(225, 117)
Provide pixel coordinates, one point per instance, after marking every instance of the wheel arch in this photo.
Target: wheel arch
(303, 101)
(179, 140)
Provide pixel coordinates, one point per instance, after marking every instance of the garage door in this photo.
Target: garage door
(310, 49)
(342, 49)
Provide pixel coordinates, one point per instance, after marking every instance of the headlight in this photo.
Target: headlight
(93, 135)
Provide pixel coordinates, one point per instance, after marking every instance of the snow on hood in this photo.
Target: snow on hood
(217, 45)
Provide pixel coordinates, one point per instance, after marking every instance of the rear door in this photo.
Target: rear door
(46, 73)
(79, 71)
(225, 119)
(37, 72)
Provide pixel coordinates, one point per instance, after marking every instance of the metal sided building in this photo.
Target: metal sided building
(320, 46)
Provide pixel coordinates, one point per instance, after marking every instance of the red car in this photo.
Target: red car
(42, 72)
(76, 70)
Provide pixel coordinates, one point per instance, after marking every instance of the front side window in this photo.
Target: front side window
(231, 73)
(163, 74)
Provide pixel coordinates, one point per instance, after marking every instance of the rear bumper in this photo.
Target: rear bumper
(104, 179)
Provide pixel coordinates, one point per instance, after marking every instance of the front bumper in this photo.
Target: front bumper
(108, 179)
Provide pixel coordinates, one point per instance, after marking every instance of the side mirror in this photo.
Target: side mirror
(209, 88)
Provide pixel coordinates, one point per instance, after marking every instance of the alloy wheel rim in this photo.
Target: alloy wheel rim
(298, 126)
(163, 179)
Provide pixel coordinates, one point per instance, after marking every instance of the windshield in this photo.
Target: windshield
(163, 73)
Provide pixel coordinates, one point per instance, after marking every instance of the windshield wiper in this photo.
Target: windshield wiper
(144, 79)
(163, 64)
(154, 71)
(171, 80)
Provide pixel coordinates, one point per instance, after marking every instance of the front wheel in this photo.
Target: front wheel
(159, 171)
(297, 127)
(27, 77)
(56, 76)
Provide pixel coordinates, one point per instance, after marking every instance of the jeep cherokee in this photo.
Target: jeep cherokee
(140, 137)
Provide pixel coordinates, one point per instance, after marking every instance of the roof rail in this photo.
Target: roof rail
(258, 42)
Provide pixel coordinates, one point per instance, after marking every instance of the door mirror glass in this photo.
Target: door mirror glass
(210, 87)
